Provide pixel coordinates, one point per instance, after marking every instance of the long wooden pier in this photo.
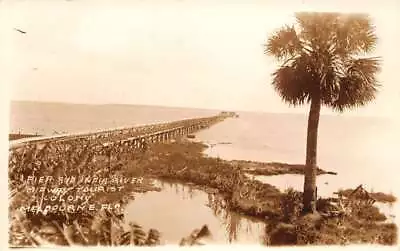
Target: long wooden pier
(46, 152)
(153, 133)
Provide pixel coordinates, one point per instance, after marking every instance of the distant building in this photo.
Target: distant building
(229, 114)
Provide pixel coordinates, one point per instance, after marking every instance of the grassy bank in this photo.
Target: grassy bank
(32, 227)
(184, 162)
(274, 168)
(377, 196)
(180, 161)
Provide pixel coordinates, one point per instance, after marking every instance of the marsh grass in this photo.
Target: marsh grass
(180, 161)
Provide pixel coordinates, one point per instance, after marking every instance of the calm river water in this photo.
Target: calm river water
(178, 209)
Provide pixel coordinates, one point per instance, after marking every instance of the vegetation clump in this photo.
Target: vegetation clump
(363, 225)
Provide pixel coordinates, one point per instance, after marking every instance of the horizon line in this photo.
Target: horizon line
(202, 108)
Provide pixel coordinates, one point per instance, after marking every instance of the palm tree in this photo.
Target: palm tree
(325, 62)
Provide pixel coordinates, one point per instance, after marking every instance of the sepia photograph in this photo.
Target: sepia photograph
(201, 122)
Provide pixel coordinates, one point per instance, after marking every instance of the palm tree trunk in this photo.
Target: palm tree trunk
(310, 189)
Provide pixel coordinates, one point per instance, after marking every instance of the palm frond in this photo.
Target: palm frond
(284, 43)
(116, 231)
(295, 82)
(349, 33)
(195, 237)
(137, 235)
(68, 233)
(331, 70)
(316, 28)
(355, 34)
(80, 231)
(322, 63)
(365, 67)
(359, 86)
(153, 237)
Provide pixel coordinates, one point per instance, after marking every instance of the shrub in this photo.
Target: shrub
(369, 213)
(291, 204)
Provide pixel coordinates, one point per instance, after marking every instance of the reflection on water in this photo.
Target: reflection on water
(179, 209)
(360, 150)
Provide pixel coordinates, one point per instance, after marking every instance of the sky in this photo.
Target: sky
(203, 54)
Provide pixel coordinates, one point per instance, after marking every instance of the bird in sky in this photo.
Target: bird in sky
(21, 31)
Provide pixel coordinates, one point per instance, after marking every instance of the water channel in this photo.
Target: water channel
(178, 209)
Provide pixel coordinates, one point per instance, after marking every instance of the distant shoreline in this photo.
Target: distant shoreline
(239, 111)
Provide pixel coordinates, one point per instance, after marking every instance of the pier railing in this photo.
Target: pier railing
(71, 153)
(135, 136)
